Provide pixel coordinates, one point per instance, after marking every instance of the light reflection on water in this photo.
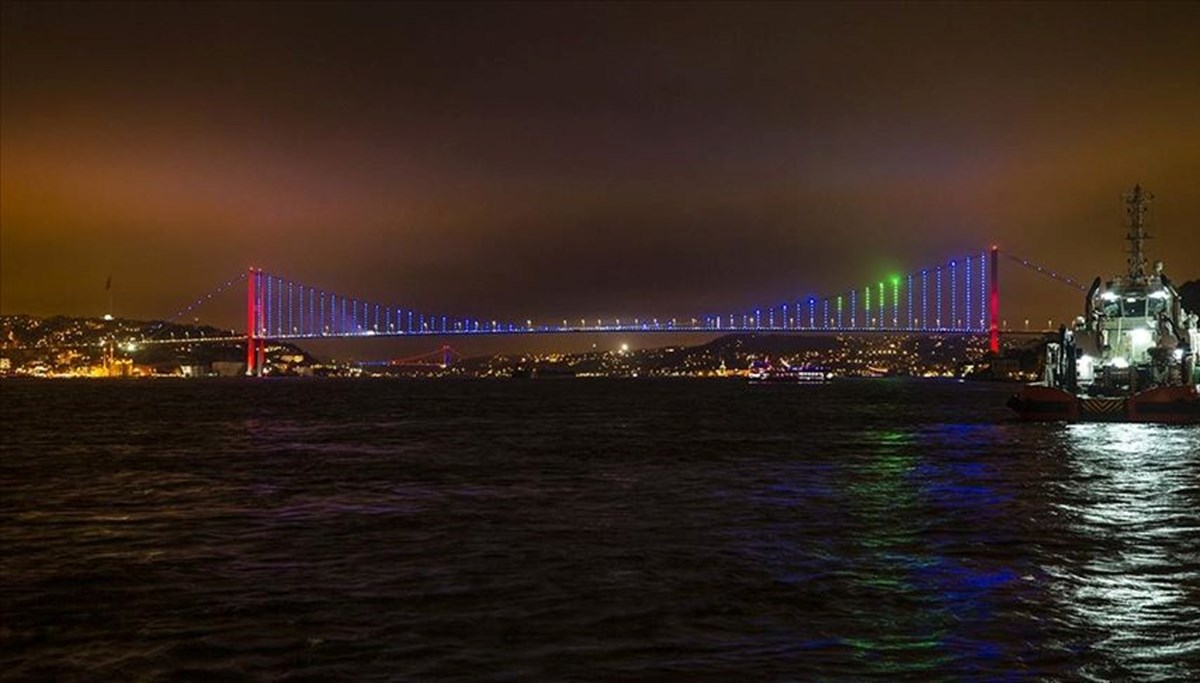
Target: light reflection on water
(1139, 594)
(598, 530)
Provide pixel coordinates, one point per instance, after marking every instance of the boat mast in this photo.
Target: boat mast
(1137, 203)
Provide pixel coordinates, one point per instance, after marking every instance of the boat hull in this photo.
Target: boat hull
(1167, 405)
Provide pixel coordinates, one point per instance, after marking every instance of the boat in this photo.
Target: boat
(1131, 357)
(765, 371)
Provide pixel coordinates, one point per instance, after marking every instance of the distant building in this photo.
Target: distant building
(1006, 368)
(201, 370)
(222, 368)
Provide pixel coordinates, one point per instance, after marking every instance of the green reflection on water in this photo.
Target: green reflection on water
(901, 636)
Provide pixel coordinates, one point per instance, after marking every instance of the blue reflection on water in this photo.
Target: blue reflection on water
(907, 530)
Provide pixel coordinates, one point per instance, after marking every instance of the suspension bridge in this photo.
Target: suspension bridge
(957, 297)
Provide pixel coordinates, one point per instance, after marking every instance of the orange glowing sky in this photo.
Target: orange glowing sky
(598, 160)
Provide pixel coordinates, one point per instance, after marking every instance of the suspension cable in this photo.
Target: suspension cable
(1064, 279)
(201, 300)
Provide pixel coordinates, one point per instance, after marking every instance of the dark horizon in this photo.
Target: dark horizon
(527, 160)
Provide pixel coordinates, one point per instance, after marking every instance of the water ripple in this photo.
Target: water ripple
(588, 530)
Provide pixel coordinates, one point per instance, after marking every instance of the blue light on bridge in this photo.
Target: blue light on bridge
(939, 298)
(284, 308)
(925, 299)
(983, 291)
(967, 290)
(279, 311)
(953, 295)
(267, 307)
(909, 292)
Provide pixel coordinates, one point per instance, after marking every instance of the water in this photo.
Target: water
(370, 530)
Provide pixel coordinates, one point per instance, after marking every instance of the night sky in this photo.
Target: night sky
(601, 160)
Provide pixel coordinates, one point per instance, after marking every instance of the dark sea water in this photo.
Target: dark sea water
(576, 529)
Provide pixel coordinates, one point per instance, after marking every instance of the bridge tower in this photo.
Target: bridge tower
(994, 302)
(255, 344)
(251, 322)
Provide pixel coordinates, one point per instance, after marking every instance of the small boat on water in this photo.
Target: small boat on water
(764, 371)
(1131, 357)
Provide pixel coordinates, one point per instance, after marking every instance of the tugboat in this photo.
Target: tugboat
(1131, 357)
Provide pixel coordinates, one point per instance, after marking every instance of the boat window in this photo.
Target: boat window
(1135, 308)
(1112, 309)
(1156, 305)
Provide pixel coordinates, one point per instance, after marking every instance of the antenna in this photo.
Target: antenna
(1137, 203)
